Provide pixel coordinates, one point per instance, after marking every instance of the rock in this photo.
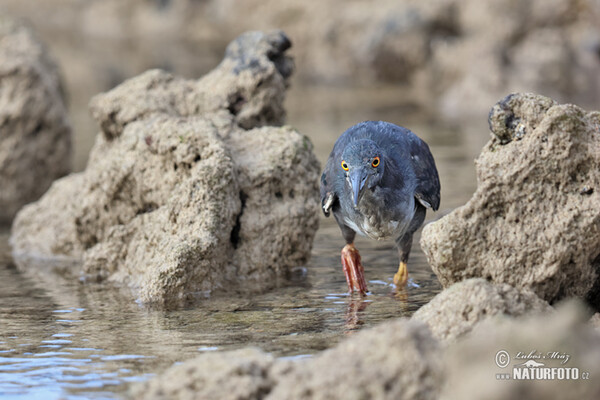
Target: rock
(456, 310)
(509, 118)
(472, 372)
(509, 46)
(400, 359)
(350, 42)
(533, 221)
(540, 63)
(595, 321)
(246, 89)
(396, 360)
(35, 135)
(235, 375)
(452, 57)
(183, 181)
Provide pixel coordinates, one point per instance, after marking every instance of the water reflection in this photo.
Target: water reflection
(356, 305)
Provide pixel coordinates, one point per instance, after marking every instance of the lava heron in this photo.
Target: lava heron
(378, 181)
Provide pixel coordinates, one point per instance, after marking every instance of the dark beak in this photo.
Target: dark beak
(358, 178)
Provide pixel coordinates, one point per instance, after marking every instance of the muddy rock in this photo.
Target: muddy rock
(350, 42)
(247, 89)
(456, 310)
(595, 321)
(562, 340)
(458, 56)
(507, 46)
(454, 57)
(235, 375)
(35, 135)
(183, 181)
(396, 360)
(542, 63)
(533, 221)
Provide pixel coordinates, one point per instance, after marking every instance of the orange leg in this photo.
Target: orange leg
(353, 269)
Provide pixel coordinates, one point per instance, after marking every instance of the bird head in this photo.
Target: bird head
(363, 164)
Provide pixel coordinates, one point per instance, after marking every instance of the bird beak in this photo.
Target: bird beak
(358, 178)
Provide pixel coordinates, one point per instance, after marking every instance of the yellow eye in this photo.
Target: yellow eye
(375, 162)
(344, 166)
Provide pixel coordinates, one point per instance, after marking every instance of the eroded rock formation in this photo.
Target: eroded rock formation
(192, 186)
(456, 310)
(534, 221)
(396, 360)
(35, 135)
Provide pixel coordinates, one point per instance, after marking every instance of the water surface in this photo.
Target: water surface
(62, 338)
(65, 339)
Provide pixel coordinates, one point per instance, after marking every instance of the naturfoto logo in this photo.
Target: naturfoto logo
(532, 366)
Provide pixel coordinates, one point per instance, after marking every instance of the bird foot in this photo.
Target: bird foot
(401, 277)
(353, 269)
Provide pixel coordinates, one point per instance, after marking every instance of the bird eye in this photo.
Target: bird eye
(344, 166)
(375, 162)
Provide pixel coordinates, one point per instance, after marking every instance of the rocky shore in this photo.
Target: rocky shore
(529, 236)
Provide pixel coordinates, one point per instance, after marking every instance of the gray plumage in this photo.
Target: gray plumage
(384, 201)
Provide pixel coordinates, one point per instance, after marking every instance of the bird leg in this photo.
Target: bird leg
(404, 245)
(353, 269)
(401, 276)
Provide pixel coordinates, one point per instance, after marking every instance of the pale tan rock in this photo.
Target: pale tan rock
(454, 57)
(534, 220)
(472, 371)
(191, 186)
(543, 63)
(400, 359)
(595, 321)
(275, 171)
(246, 89)
(235, 375)
(35, 135)
(457, 310)
(396, 360)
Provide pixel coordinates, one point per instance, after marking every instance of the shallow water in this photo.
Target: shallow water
(61, 339)
(68, 339)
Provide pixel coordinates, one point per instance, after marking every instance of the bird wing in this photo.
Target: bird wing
(427, 191)
(408, 145)
(328, 195)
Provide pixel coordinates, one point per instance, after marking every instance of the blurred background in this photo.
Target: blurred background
(440, 63)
